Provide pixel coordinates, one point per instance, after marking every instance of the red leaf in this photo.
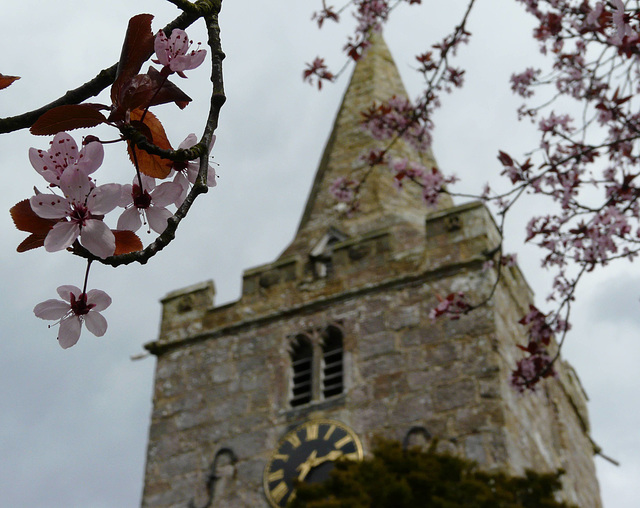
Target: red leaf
(137, 48)
(32, 241)
(126, 242)
(66, 118)
(504, 158)
(169, 92)
(25, 219)
(151, 165)
(5, 81)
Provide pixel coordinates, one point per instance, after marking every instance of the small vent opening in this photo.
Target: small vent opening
(332, 363)
(302, 364)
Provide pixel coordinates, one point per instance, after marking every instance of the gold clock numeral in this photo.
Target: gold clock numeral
(351, 456)
(276, 475)
(329, 432)
(343, 441)
(312, 431)
(280, 456)
(294, 440)
(279, 491)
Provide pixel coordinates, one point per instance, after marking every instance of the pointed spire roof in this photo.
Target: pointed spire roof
(375, 79)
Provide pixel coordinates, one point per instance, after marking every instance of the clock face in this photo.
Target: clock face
(307, 453)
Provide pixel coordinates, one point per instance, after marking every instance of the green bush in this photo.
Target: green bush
(397, 478)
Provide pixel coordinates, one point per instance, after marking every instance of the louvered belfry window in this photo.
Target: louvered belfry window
(302, 364)
(332, 376)
(317, 367)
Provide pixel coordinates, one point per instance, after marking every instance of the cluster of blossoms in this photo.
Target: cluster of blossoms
(432, 181)
(343, 189)
(539, 363)
(398, 116)
(370, 16)
(453, 305)
(587, 166)
(70, 214)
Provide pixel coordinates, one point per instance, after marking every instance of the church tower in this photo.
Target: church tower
(331, 344)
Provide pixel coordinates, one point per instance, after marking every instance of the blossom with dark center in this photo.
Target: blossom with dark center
(83, 205)
(73, 310)
(147, 203)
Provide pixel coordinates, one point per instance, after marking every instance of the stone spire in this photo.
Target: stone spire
(375, 79)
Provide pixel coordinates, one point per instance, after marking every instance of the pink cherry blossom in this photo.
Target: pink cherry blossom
(175, 54)
(623, 28)
(148, 202)
(62, 154)
(187, 172)
(84, 206)
(73, 310)
(454, 306)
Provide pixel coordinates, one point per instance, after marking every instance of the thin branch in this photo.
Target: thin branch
(89, 89)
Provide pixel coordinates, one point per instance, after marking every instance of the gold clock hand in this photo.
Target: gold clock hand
(332, 455)
(306, 466)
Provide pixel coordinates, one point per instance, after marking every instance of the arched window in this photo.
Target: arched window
(302, 364)
(332, 376)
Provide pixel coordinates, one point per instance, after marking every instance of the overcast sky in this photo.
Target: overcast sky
(73, 424)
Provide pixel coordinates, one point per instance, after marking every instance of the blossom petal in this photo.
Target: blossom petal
(61, 236)
(49, 206)
(51, 309)
(161, 47)
(211, 177)
(189, 61)
(189, 141)
(125, 195)
(166, 193)
(91, 157)
(66, 290)
(105, 198)
(64, 149)
(96, 236)
(157, 218)
(76, 185)
(69, 332)
(95, 323)
(43, 164)
(99, 299)
(130, 220)
(182, 181)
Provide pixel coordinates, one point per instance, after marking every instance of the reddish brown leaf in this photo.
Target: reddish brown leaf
(31, 242)
(136, 49)
(25, 219)
(504, 158)
(151, 165)
(5, 81)
(169, 92)
(66, 118)
(126, 242)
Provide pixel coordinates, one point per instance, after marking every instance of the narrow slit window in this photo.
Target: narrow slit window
(302, 366)
(332, 364)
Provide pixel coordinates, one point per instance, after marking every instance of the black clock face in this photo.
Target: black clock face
(308, 453)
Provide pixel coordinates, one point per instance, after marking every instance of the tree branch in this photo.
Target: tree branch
(93, 87)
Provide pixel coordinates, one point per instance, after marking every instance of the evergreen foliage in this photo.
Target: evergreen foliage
(398, 478)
